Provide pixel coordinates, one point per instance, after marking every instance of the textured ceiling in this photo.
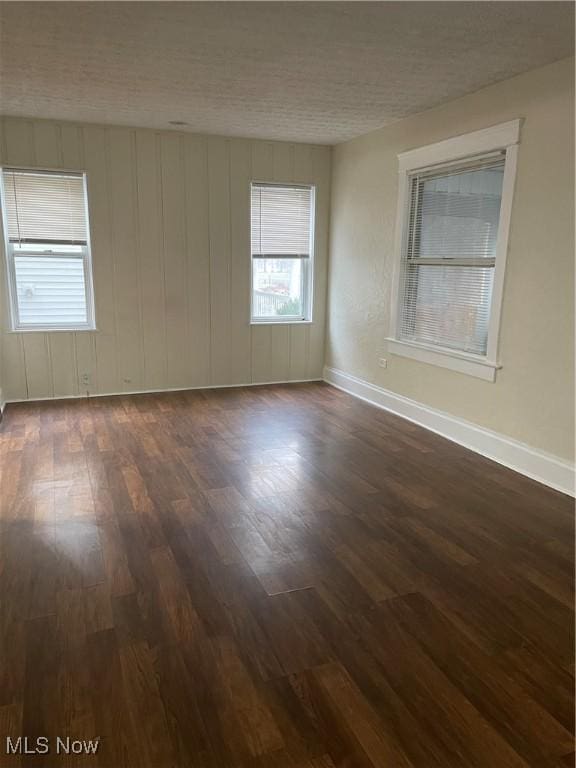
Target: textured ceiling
(304, 71)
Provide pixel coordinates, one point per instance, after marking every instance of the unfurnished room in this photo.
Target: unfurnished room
(287, 384)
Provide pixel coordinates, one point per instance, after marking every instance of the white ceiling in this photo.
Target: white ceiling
(301, 71)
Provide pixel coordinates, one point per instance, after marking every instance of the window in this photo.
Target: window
(448, 264)
(282, 234)
(47, 250)
(453, 224)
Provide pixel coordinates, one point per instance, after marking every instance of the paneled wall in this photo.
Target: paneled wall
(169, 216)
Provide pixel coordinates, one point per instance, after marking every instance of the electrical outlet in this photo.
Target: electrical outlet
(85, 379)
(382, 362)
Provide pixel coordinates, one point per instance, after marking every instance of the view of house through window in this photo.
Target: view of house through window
(282, 251)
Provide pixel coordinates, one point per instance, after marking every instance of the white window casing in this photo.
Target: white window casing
(453, 218)
(47, 245)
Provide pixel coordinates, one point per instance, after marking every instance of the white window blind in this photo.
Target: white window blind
(282, 229)
(45, 207)
(449, 255)
(281, 221)
(47, 248)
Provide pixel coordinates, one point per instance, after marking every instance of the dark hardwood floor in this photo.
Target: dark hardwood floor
(277, 577)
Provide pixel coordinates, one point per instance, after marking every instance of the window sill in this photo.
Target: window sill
(43, 329)
(456, 361)
(281, 322)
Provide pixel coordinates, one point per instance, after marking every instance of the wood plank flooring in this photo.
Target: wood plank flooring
(277, 577)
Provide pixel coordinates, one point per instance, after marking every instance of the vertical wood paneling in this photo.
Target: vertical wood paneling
(261, 353)
(38, 369)
(19, 149)
(198, 258)
(19, 142)
(150, 246)
(175, 266)
(98, 357)
(299, 345)
(126, 273)
(280, 353)
(220, 285)
(283, 162)
(72, 146)
(304, 164)
(14, 386)
(170, 235)
(49, 145)
(240, 174)
(262, 160)
(62, 353)
(89, 363)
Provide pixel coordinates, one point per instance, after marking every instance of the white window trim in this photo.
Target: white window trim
(503, 137)
(308, 268)
(15, 325)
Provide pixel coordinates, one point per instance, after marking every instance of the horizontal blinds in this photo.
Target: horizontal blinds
(45, 207)
(281, 221)
(449, 257)
(449, 306)
(455, 214)
(51, 290)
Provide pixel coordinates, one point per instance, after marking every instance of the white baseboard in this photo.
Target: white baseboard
(90, 395)
(543, 467)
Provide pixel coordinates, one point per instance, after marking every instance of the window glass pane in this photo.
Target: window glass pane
(50, 290)
(277, 288)
(449, 306)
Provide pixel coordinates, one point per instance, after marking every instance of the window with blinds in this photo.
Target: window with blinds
(47, 248)
(282, 235)
(449, 255)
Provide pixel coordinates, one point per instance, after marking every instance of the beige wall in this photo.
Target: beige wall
(532, 399)
(169, 217)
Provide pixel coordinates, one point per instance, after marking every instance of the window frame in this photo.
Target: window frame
(307, 276)
(456, 151)
(10, 252)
